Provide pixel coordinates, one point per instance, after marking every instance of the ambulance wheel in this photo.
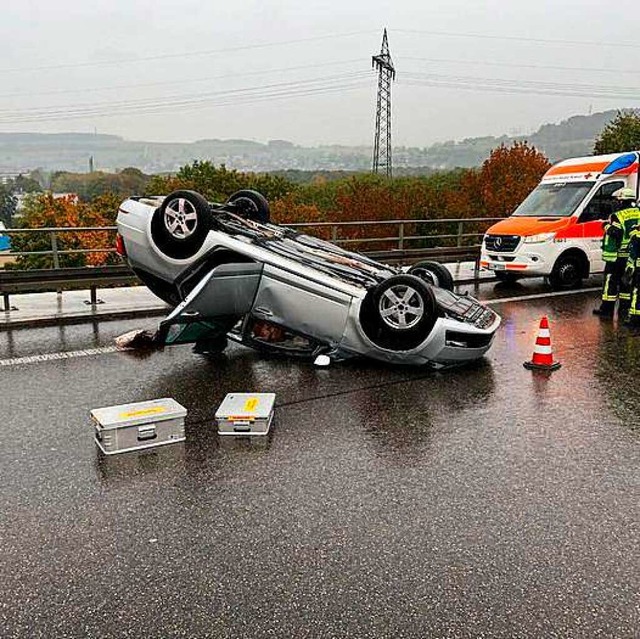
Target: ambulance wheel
(251, 205)
(433, 273)
(567, 273)
(399, 313)
(181, 224)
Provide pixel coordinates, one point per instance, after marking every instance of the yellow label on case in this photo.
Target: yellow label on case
(144, 411)
(251, 404)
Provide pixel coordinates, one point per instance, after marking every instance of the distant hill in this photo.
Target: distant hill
(71, 151)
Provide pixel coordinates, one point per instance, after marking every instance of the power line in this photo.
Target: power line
(511, 65)
(181, 81)
(189, 97)
(484, 36)
(185, 54)
(473, 83)
(248, 95)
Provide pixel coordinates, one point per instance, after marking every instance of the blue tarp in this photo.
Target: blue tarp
(5, 244)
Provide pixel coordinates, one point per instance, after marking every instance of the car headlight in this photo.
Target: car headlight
(539, 238)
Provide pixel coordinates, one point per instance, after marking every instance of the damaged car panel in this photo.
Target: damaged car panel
(232, 274)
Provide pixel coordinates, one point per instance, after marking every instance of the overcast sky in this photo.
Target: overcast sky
(301, 70)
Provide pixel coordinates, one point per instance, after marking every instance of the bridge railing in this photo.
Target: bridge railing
(403, 243)
(402, 236)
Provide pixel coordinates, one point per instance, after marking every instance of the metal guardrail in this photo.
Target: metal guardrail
(398, 241)
(90, 277)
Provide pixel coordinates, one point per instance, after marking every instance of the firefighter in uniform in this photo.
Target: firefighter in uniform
(632, 275)
(615, 252)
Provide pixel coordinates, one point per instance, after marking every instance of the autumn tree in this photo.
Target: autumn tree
(46, 211)
(507, 176)
(621, 134)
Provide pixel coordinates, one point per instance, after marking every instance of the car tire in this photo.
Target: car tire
(506, 278)
(433, 273)
(566, 273)
(181, 224)
(399, 313)
(251, 205)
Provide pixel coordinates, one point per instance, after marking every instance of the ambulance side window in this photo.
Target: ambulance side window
(602, 205)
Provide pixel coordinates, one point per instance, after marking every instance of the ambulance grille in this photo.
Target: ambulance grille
(501, 243)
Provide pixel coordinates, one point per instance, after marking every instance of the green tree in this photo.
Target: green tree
(25, 184)
(8, 204)
(218, 183)
(621, 134)
(88, 186)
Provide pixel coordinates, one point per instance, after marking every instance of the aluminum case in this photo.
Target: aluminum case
(245, 414)
(139, 425)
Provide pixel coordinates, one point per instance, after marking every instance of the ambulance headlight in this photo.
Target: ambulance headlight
(539, 238)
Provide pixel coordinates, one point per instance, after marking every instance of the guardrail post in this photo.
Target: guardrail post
(460, 226)
(54, 250)
(401, 236)
(334, 233)
(5, 300)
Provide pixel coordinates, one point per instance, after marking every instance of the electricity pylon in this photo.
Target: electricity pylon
(382, 143)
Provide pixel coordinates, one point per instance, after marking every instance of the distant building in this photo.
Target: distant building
(8, 176)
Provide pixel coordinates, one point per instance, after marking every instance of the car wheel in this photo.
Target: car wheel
(566, 273)
(181, 223)
(433, 273)
(506, 278)
(399, 313)
(251, 205)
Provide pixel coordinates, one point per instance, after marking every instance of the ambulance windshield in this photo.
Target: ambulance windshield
(557, 199)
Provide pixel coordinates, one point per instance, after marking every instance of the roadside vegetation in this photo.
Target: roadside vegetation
(492, 190)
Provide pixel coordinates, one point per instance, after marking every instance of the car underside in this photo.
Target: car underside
(232, 274)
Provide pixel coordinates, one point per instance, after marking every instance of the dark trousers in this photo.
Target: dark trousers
(613, 280)
(634, 309)
(624, 290)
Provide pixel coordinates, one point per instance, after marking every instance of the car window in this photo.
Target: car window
(602, 204)
(555, 199)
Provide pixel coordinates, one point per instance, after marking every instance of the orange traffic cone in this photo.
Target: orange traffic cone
(542, 355)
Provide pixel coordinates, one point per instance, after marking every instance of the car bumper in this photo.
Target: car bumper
(530, 263)
(450, 342)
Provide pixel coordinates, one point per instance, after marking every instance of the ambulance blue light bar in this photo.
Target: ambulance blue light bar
(620, 163)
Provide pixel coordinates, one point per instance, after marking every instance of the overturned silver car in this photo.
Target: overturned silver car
(232, 274)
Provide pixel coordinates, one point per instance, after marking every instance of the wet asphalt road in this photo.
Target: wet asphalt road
(488, 501)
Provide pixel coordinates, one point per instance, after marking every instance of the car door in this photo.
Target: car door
(222, 296)
(310, 307)
(591, 220)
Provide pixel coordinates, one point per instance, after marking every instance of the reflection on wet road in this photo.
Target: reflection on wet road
(387, 502)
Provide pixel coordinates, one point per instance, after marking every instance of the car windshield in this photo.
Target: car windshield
(559, 199)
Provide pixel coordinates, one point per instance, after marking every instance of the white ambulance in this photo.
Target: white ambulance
(557, 231)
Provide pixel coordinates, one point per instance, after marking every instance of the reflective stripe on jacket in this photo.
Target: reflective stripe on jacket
(633, 261)
(611, 242)
(626, 220)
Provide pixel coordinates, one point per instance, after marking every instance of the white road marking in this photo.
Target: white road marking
(537, 296)
(105, 350)
(47, 357)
